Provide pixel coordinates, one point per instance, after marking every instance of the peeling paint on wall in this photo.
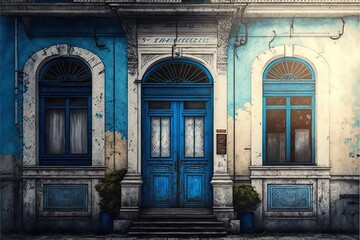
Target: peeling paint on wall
(356, 123)
(75, 32)
(347, 140)
(115, 151)
(353, 124)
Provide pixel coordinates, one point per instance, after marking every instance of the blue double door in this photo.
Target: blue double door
(176, 153)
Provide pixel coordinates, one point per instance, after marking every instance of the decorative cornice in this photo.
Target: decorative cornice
(308, 9)
(130, 27)
(224, 28)
(55, 10)
(255, 8)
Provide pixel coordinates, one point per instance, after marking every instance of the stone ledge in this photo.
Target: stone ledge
(300, 172)
(345, 178)
(278, 8)
(64, 172)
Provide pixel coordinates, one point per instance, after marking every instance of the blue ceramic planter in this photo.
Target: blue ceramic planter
(246, 222)
(106, 222)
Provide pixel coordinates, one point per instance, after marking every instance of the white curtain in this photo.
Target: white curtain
(55, 131)
(78, 131)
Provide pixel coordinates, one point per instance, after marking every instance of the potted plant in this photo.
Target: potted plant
(109, 190)
(246, 201)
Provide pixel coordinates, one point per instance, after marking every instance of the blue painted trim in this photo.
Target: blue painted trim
(162, 63)
(66, 91)
(288, 89)
(176, 94)
(288, 109)
(292, 202)
(288, 127)
(65, 197)
(51, 62)
(289, 86)
(288, 59)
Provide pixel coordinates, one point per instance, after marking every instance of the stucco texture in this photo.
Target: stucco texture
(340, 53)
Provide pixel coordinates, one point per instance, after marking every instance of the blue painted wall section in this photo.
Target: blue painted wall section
(265, 33)
(104, 37)
(9, 132)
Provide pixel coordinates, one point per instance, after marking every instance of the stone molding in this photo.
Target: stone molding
(212, 1)
(72, 172)
(269, 8)
(223, 30)
(289, 172)
(223, 197)
(30, 100)
(130, 27)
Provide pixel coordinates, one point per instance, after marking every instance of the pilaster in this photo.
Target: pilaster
(131, 185)
(221, 181)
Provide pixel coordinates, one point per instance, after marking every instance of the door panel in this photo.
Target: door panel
(177, 159)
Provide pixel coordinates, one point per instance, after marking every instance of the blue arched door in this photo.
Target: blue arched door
(177, 118)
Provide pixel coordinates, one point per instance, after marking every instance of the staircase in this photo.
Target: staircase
(177, 222)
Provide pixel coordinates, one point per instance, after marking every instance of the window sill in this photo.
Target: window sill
(63, 171)
(304, 172)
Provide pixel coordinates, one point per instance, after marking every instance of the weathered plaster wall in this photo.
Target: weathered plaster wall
(103, 37)
(9, 134)
(344, 207)
(342, 57)
(9, 142)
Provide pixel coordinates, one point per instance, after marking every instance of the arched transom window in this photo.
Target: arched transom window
(65, 112)
(177, 72)
(288, 112)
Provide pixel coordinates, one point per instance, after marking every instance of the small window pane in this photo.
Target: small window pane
(301, 128)
(55, 131)
(160, 136)
(302, 101)
(78, 132)
(155, 137)
(275, 101)
(165, 136)
(78, 101)
(194, 105)
(189, 136)
(55, 102)
(275, 135)
(199, 137)
(159, 105)
(194, 137)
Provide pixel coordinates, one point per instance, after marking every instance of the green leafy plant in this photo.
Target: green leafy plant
(109, 190)
(246, 199)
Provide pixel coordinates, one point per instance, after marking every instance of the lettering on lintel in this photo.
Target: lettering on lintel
(180, 40)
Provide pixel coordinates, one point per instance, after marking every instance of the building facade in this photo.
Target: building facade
(191, 98)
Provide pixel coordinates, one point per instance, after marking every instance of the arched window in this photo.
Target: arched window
(288, 112)
(65, 112)
(179, 71)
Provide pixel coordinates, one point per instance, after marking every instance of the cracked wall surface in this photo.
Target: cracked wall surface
(342, 58)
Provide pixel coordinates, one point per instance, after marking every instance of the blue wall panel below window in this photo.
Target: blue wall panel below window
(291, 198)
(65, 197)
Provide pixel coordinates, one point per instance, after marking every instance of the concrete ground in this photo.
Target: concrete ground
(262, 236)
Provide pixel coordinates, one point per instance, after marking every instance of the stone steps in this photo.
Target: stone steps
(177, 222)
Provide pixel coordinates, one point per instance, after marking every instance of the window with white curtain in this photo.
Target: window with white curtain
(65, 112)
